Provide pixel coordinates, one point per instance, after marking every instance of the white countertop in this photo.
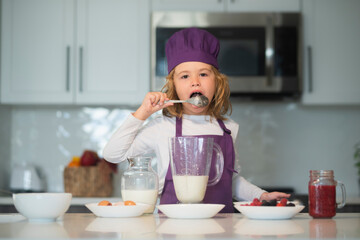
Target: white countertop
(222, 226)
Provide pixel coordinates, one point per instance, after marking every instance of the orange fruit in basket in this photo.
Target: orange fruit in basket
(104, 203)
(129, 203)
(75, 162)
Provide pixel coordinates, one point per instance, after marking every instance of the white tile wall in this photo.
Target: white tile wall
(278, 143)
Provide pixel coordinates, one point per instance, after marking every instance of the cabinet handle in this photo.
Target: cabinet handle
(310, 87)
(81, 69)
(68, 68)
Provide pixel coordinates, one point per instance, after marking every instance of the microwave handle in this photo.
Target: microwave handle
(269, 52)
(310, 86)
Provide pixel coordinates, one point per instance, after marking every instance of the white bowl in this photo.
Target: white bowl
(42, 206)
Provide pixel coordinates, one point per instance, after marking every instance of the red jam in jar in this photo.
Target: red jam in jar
(322, 194)
(322, 203)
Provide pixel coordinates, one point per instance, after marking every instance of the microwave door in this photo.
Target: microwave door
(246, 57)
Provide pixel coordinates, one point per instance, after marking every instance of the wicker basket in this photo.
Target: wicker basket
(89, 181)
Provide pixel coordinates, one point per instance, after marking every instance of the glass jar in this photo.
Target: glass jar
(140, 183)
(322, 194)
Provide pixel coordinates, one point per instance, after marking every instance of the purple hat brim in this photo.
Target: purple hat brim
(192, 56)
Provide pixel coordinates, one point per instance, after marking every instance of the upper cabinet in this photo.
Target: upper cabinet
(75, 51)
(331, 52)
(37, 57)
(227, 5)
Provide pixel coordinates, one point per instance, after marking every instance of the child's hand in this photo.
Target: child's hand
(153, 102)
(273, 195)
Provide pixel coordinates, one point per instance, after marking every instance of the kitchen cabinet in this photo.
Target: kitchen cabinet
(227, 5)
(331, 52)
(75, 51)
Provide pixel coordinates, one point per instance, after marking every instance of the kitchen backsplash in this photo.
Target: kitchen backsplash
(278, 143)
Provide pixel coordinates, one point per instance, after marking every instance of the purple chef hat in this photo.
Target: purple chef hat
(192, 45)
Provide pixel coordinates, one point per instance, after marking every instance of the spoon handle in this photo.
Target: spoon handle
(175, 101)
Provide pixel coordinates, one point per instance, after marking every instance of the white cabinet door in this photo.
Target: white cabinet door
(263, 5)
(113, 51)
(332, 52)
(189, 5)
(54, 54)
(36, 51)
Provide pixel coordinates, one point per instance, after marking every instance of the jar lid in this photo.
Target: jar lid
(322, 173)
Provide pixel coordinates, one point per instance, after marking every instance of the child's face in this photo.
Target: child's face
(192, 77)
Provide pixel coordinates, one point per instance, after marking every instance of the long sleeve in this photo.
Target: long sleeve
(244, 190)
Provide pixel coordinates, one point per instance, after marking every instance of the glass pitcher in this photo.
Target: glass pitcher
(191, 160)
(140, 183)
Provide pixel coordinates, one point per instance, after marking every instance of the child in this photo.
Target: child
(193, 69)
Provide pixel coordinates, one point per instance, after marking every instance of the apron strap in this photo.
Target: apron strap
(222, 125)
(178, 127)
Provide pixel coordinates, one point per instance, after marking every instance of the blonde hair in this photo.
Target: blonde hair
(219, 106)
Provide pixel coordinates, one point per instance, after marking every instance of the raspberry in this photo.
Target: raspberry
(256, 202)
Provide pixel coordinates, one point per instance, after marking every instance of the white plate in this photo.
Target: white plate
(117, 211)
(190, 210)
(266, 212)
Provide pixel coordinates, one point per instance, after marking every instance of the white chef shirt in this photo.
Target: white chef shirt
(135, 138)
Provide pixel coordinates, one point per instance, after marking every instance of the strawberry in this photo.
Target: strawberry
(256, 202)
(282, 203)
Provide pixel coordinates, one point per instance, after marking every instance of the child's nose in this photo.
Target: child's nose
(195, 82)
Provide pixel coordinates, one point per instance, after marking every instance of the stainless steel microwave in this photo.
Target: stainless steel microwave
(259, 52)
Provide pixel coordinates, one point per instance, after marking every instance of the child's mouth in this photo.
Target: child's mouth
(194, 94)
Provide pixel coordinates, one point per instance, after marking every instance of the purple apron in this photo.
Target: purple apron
(220, 193)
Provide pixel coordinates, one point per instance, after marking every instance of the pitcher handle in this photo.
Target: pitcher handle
(219, 166)
(343, 195)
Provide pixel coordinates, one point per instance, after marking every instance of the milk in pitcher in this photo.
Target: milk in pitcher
(141, 196)
(190, 189)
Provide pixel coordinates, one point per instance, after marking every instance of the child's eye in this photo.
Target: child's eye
(203, 74)
(184, 76)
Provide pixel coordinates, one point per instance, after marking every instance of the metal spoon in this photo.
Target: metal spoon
(198, 100)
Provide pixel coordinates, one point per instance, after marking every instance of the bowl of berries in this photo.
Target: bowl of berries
(273, 209)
